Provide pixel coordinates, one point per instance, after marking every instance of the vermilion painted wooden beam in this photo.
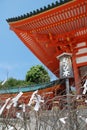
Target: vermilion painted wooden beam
(82, 64)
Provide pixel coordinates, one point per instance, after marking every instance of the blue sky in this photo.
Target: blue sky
(15, 58)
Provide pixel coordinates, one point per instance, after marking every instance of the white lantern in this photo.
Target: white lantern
(65, 66)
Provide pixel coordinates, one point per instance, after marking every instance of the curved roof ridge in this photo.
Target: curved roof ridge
(37, 11)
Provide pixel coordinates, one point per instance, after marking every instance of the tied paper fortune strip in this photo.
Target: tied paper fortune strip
(18, 115)
(85, 87)
(4, 82)
(3, 107)
(14, 101)
(37, 99)
(32, 97)
(10, 128)
(83, 118)
(63, 120)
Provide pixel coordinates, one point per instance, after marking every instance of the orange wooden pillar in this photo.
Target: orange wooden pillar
(76, 74)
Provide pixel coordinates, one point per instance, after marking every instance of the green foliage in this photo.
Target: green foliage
(37, 74)
(11, 82)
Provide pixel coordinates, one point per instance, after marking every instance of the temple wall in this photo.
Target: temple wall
(81, 56)
(81, 51)
(81, 59)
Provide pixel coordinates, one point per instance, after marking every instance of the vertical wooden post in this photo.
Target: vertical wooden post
(76, 74)
(66, 73)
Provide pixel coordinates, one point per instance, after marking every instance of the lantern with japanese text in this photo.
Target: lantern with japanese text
(66, 70)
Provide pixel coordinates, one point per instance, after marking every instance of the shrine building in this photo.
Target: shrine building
(54, 31)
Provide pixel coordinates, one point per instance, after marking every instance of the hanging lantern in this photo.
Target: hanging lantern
(65, 66)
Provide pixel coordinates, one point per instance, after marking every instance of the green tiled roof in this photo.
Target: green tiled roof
(35, 12)
(31, 87)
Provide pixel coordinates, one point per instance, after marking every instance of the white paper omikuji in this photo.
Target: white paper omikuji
(10, 128)
(18, 115)
(83, 118)
(37, 99)
(78, 97)
(85, 87)
(32, 97)
(4, 82)
(23, 107)
(63, 120)
(9, 105)
(14, 101)
(37, 106)
(85, 101)
(3, 107)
